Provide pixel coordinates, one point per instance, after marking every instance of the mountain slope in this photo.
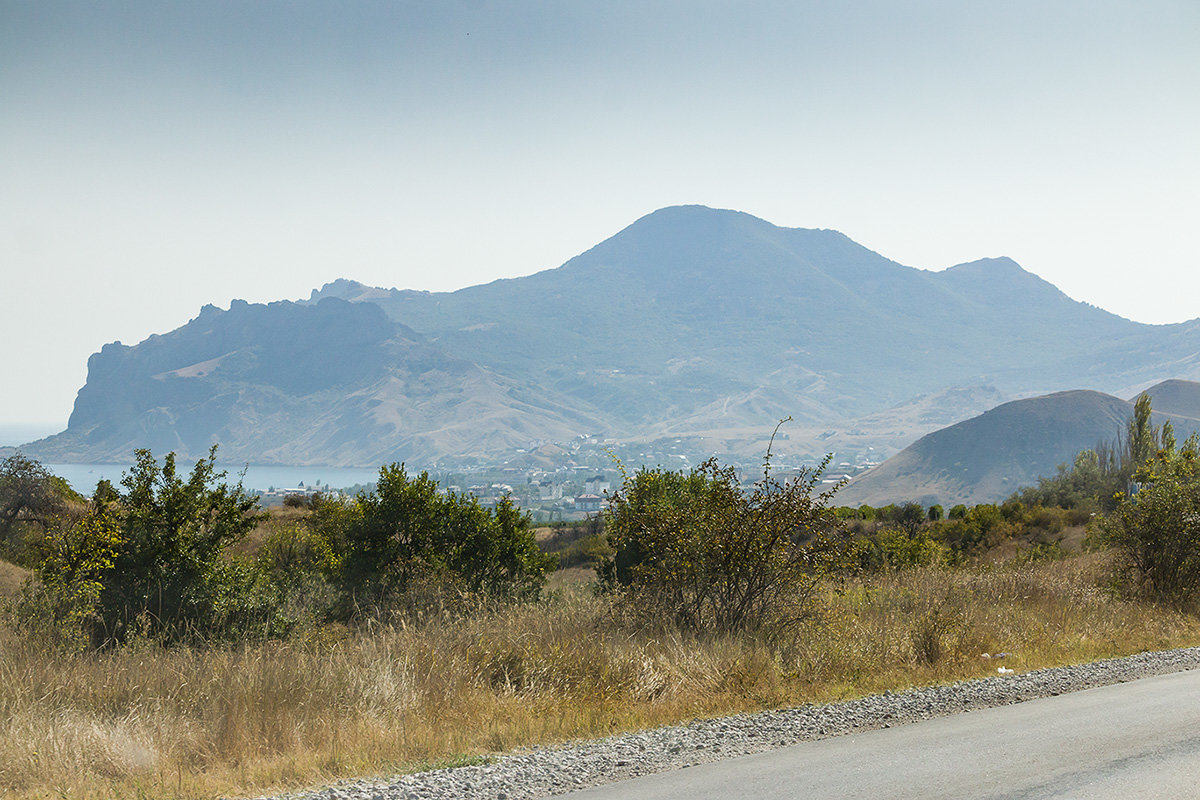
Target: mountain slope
(1176, 398)
(988, 457)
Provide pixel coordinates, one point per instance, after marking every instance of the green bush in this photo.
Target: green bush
(1156, 530)
(971, 531)
(32, 500)
(290, 580)
(73, 558)
(694, 549)
(1086, 484)
(898, 549)
(170, 578)
(404, 538)
(151, 561)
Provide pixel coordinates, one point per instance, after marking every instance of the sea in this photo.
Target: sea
(84, 477)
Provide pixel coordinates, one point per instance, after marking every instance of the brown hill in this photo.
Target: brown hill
(1176, 398)
(987, 458)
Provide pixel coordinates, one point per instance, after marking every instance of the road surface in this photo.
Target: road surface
(1132, 740)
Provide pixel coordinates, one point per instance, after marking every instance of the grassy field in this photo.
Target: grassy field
(272, 716)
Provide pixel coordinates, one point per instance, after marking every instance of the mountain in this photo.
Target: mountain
(692, 322)
(988, 457)
(330, 383)
(691, 306)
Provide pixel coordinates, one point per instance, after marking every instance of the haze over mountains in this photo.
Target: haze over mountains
(696, 324)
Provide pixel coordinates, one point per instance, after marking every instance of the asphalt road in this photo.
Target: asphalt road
(1132, 740)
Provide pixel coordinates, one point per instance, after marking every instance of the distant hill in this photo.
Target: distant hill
(987, 458)
(1176, 398)
(691, 322)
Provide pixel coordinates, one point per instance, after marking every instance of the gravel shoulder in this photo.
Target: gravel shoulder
(546, 772)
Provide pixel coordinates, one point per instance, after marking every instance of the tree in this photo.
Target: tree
(1085, 484)
(1093, 479)
(30, 496)
(168, 576)
(908, 517)
(1156, 531)
(1142, 439)
(73, 559)
(404, 538)
(694, 549)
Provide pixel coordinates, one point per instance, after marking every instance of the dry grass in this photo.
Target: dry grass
(186, 723)
(12, 578)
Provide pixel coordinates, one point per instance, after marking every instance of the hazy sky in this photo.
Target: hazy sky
(157, 156)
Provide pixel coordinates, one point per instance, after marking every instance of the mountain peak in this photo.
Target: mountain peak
(1002, 265)
(707, 217)
(679, 224)
(696, 211)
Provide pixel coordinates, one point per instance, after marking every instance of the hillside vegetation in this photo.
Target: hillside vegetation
(268, 716)
(170, 640)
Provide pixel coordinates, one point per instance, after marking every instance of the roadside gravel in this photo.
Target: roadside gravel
(545, 772)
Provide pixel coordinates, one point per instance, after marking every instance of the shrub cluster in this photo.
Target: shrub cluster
(580, 544)
(404, 540)
(31, 501)
(696, 549)
(161, 557)
(897, 537)
(1156, 528)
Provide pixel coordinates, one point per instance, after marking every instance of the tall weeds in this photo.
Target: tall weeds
(187, 722)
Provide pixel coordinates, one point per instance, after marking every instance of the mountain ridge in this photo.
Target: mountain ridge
(688, 313)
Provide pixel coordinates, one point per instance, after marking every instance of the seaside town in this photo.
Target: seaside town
(570, 482)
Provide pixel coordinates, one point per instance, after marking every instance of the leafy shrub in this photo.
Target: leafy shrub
(977, 529)
(908, 517)
(150, 561)
(578, 544)
(169, 579)
(589, 551)
(694, 549)
(898, 549)
(31, 501)
(1156, 530)
(1086, 484)
(74, 557)
(290, 569)
(403, 538)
